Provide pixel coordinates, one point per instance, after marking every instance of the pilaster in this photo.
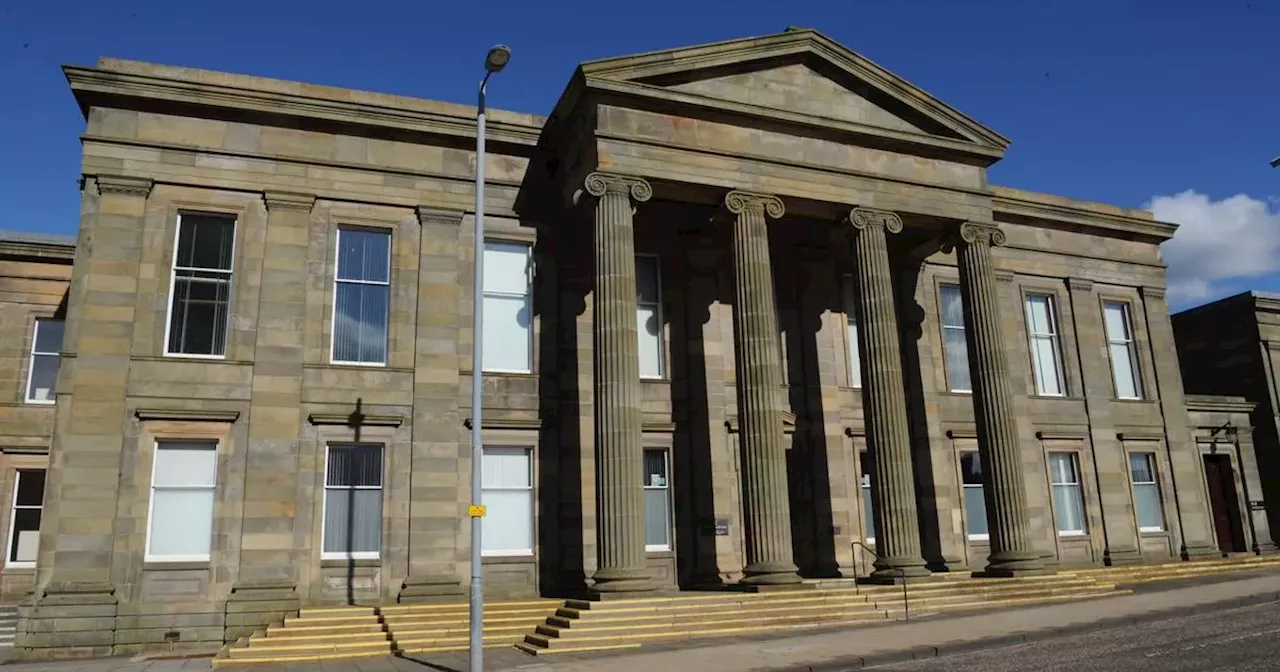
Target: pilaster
(619, 449)
(884, 399)
(1263, 541)
(1004, 485)
(766, 503)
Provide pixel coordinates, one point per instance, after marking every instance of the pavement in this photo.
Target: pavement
(851, 648)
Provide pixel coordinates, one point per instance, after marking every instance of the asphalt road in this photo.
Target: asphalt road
(1241, 639)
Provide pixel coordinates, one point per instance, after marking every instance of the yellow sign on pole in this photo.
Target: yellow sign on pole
(476, 510)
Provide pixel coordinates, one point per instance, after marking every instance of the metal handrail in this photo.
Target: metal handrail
(902, 574)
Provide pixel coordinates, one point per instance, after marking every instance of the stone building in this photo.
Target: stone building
(753, 313)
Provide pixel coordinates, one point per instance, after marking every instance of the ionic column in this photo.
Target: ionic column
(1003, 481)
(884, 399)
(619, 451)
(765, 502)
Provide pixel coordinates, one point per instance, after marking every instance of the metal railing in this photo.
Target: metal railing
(906, 604)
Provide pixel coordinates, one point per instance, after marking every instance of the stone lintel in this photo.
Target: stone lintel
(1062, 434)
(194, 415)
(505, 423)
(127, 186)
(1140, 436)
(361, 421)
(962, 433)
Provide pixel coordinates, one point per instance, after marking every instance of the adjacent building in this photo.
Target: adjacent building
(754, 314)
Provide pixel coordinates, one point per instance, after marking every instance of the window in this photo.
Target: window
(42, 375)
(851, 320)
(24, 525)
(649, 317)
(182, 485)
(1124, 357)
(953, 340)
(1046, 354)
(508, 309)
(361, 296)
(975, 506)
(1068, 504)
(657, 502)
(868, 512)
(1146, 492)
(507, 492)
(353, 501)
(200, 292)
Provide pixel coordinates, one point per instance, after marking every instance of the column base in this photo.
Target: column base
(893, 570)
(621, 580)
(770, 574)
(1010, 564)
(68, 620)
(430, 588)
(1266, 548)
(1120, 557)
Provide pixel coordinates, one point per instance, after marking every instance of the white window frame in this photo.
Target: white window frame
(1127, 340)
(31, 361)
(963, 329)
(1154, 483)
(1079, 487)
(852, 349)
(173, 279)
(666, 468)
(662, 340)
(979, 486)
(1051, 336)
(333, 310)
(528, 295)
(533, 505)
(324, 503)
(151, 500)
(13, 517)
(868, 499)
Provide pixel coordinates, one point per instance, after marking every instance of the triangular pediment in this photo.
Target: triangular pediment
(800, 74)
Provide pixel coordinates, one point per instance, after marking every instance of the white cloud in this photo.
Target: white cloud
(1236, 238)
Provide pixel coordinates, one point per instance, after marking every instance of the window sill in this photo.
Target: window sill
(505, 374)
(183, 355)
(1152, 532)
(350, 562)
(980, 537)
(20, 567)
(960, 393)
(34, 402)
(1073, 535)
(157, 564)
(1134, 400)
(361, 365)
(1057, 397)
(514, 557)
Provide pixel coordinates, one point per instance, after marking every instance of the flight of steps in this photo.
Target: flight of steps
(333, 633)
(8, 628)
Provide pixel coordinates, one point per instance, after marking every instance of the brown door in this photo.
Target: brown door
(1222, 499)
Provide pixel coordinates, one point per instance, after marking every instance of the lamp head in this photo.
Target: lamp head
(497, 58)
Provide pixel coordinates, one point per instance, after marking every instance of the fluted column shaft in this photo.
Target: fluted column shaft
(765, 500)
(884, 399)
(1003, 481)
(619, 450)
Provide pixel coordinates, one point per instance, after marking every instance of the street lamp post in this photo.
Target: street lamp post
(495, 61)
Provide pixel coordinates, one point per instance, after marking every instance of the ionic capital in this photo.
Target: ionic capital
(738, 202)
(288, 200)
(599, 184)
(981, 233)
(863, 218)
(128, 186)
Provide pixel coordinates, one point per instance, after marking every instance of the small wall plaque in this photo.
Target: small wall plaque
(1257, 505)
(722, 527)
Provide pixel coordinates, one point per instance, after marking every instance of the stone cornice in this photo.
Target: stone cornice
(361, 420)
(42, 251)
(1015, 203)
(506, 423)
(433, 215)
(185, 415)
(1221, 404)
(286, 200)
(1140, 436)
(97, 86)
(128, 186)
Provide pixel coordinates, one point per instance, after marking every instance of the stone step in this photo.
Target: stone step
(330, 619)
(459, 640)
(289, 638)
(780, 620)
(464, 608)
(280, 630)
(269, 659)
(312, 649)
(401, 634)
(498, 617)
(337, 611)
(540, 651)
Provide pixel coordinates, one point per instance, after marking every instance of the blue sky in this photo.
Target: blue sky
(1169, 104)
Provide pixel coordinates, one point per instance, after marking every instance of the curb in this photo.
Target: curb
(925, 652)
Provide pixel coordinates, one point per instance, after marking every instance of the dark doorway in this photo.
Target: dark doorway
(1222, 499)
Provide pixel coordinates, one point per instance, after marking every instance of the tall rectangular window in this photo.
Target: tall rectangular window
(1068, 499)
(42, 374)
(24, 524)
(1124, 356)
(353, 501)
(183, 478)
(657, 501)
(1146, 492)
(507, 494)
(954, 349)
(868, 512)
(361, 296)
(508, 308)
(975, 506)
(649, 317)
(851, 326)
(200, 291)
(1046, 350)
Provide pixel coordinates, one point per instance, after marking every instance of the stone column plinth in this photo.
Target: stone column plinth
(1003, 480)
(884, 399)
(765, 501)
(619, 451)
